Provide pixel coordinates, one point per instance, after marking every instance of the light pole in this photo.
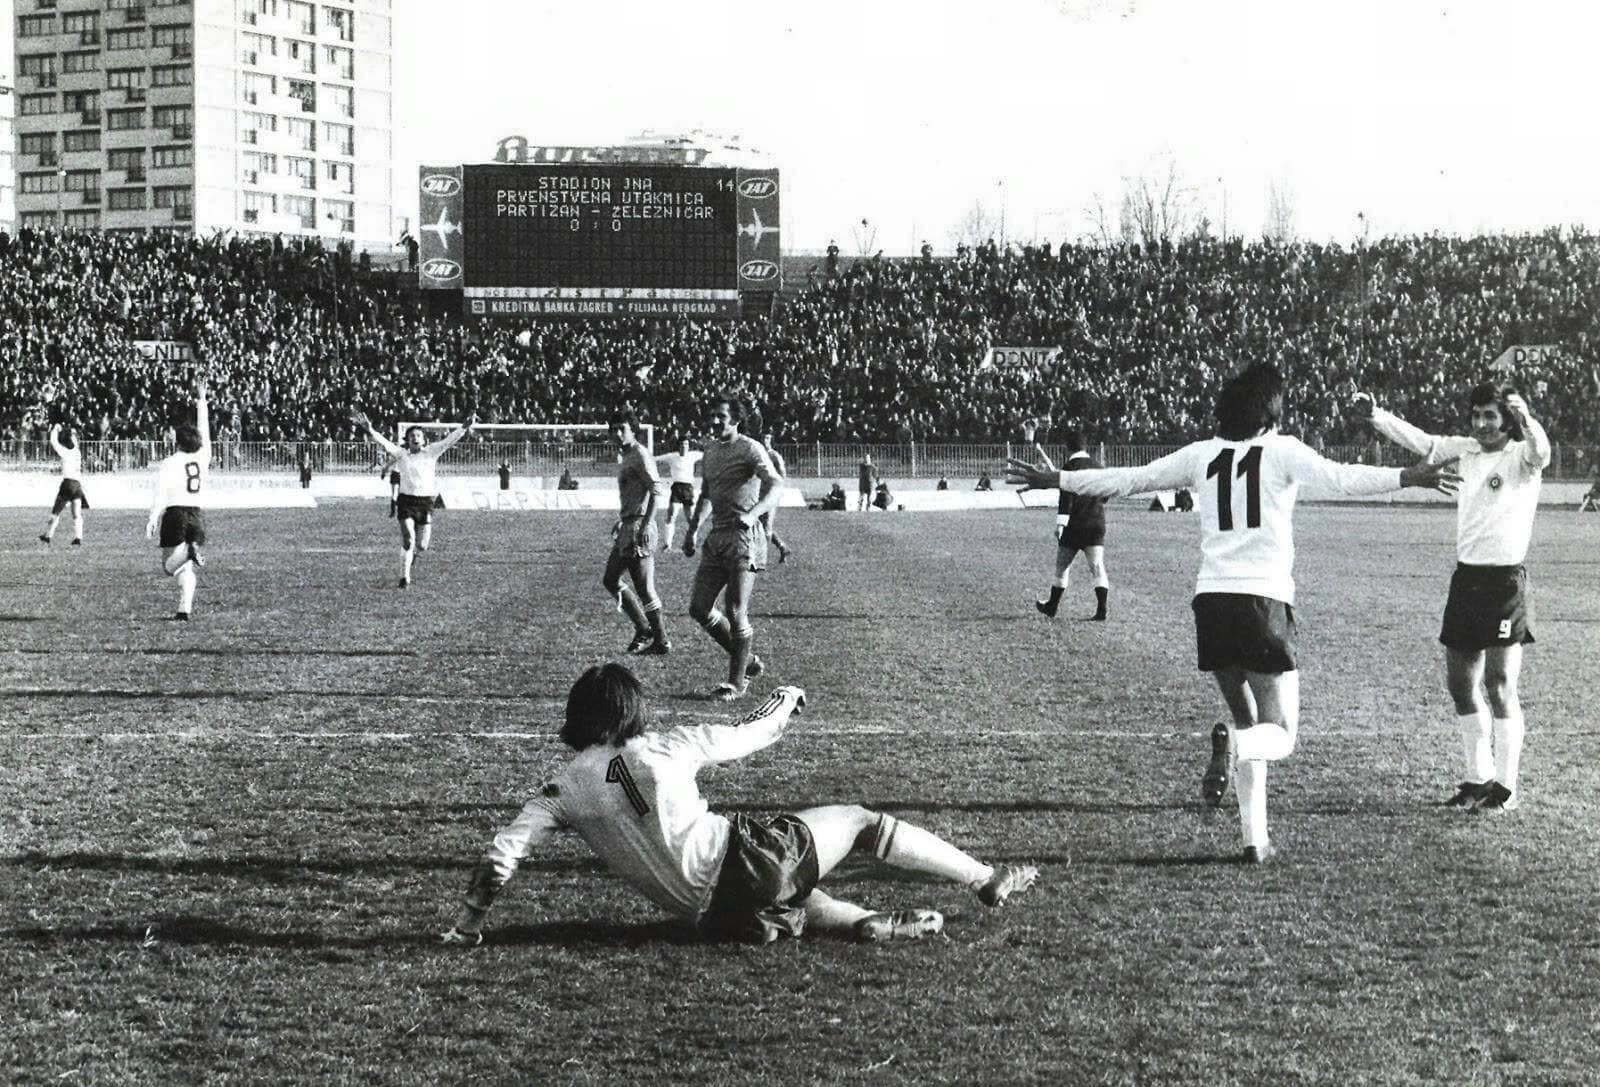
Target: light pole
(61, 198)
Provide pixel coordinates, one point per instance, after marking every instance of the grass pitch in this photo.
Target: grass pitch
(226, 846)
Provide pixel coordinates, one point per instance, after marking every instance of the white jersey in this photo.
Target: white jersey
(639, 807)
(417, 470)
(71, 459)
(680, 466)
(1245, 492)
(182, 479)
(1499, 492)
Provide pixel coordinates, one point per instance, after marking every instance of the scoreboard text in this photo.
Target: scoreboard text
(599, 240)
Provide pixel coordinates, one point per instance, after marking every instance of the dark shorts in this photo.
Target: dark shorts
(735, 549)
(415, 506)
(1488, 607)
(767, 873)
(394, 479)
(624, 541)
(1238, 630)
(69, 491)
(682, 494)
(183, 525)
(1079, 535)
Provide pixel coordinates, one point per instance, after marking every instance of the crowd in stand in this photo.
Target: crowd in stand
(292, 337)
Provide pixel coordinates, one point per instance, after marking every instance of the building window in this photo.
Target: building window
(125, 200)
(173, 196)
(85, 24)
(342, 213)
(305, 93)
(82, 220)
(303, 208)
(125, 158)
(36, 143)
(258, 164)
(87, 140)
(80, 101)
(341, 177)
(179, 34)
(33, 105)
(171, 75)
(257, 203)
(121, 120)
(37, 64)
(172, 156)
(340, 22)
(123, 78)
(258, 87)
(172, 116)
(83, 181)
(36, 26)
(38, 220)
(303, 134)
(339, 139)
(37, 183)
(303, 169)
(127, 38)
(303, 54)
(341, 63)
(302, 16)
(80, 62)
(343, 98)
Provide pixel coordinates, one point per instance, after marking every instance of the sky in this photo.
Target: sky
(1384, 116)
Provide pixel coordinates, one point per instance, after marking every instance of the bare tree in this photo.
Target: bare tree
(866, 237)
(1279, 226)
(974, 228)
(1155, 205)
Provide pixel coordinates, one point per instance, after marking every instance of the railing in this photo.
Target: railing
(804, 460)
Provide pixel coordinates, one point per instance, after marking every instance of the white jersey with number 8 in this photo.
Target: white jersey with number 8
(1245, 492)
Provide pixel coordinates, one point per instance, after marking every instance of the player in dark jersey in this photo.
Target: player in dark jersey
(1080, 526)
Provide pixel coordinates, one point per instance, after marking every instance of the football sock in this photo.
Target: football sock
(407, 555)
(186, 584)
(424, 537)
(77, 526)
(1475, 745)
(1507, 749)
(632, 608)
(653, 616)
(1102, 596)
(739, 655)
(1251, 785)
(828, 914)
(1263, 741)
(715, 625)
(901, 845)
(54, 521)
(1055, 595)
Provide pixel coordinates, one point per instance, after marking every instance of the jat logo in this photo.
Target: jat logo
(758, 188)
(441, 185)
(441, 268)
(758, 270)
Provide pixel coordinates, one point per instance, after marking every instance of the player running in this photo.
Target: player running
(70, 493)
(1249, 477)
(771, 517)
(631, 793)
(634, 540)
(679, 467)
(740, 486)
(1080, 527)
(416, 462)
(178, 505)
(1487, 616)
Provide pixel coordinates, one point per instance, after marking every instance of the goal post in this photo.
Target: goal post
(535, 449)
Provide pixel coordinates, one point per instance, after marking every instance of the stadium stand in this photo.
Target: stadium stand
(879, 351)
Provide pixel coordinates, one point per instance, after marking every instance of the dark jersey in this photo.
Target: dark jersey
(1081, 511)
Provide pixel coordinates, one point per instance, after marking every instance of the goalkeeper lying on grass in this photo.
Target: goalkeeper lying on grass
(630, 791)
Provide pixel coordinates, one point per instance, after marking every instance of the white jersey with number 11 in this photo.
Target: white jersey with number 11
(1245, 492)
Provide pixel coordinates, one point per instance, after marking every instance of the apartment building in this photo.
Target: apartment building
(255, 116)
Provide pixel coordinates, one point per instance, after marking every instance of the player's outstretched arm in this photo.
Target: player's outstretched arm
(759, 728)
(1162, 474)
(1537, 450)
(202, 419)
(534, 825)
(1442, 476)
(361, 419)
(1403, 434)
(454, 436)
(55, 440)
(1042, 476)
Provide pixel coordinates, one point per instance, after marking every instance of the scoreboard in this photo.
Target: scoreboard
(610, 239)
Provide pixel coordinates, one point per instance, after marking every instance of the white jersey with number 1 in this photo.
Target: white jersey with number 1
(1245, 492)
(181, 477)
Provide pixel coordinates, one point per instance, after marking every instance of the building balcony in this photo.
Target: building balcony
(91, 117)
(133, 14)
(183, 131)
(135, 173)
(88, 37)
(184, 213)
(182, 51)
(91, 197)
(45, 80)
(49, 158)
(134, 94)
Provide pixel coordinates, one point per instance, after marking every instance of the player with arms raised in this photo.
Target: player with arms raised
(740, 486)
(416, 463)
(178, 507)
(70, 493)
(1487, 614)
(630, 793)
(634, 540)
(1249, 477)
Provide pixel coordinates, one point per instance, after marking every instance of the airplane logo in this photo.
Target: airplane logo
(444, 227)
(753, 229)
